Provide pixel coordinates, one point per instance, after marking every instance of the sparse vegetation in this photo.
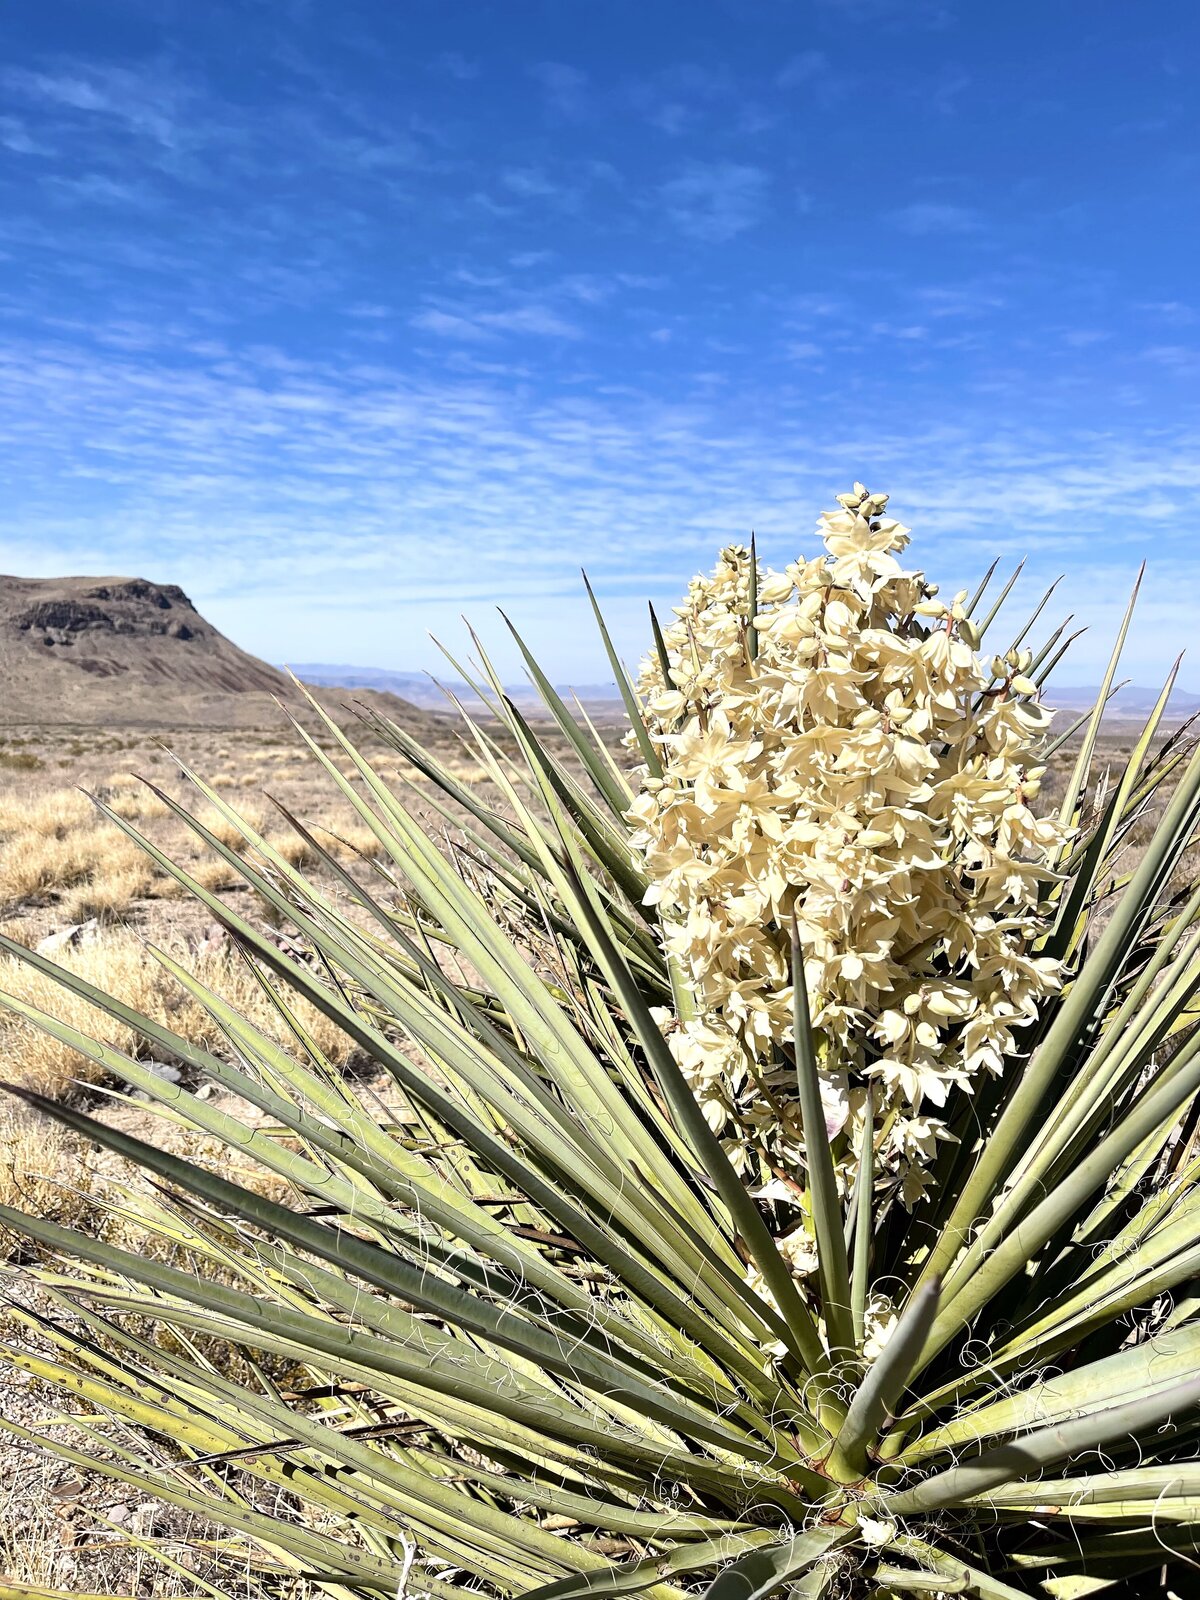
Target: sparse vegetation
(20, 761)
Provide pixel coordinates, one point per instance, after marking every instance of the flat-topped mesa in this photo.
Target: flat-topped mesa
(59, 621)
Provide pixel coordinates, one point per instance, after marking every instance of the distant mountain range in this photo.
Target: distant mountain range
(420, 690)
(1131, 701)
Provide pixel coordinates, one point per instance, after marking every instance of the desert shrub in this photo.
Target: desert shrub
(629, 1285)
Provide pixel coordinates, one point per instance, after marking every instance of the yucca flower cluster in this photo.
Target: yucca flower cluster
(843, 757)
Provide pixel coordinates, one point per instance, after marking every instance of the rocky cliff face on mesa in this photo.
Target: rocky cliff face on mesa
(127, 652)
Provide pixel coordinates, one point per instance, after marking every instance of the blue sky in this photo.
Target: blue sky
(352, 318)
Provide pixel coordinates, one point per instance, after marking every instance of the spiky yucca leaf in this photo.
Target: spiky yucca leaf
(515, 1290)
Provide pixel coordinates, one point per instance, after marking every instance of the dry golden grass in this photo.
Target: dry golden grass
(44, 1170)
(109, 895)
(52, 814)
(61, 863)
(58, 842)
(468, 772)
(135, 802)
(294, 849)
(118, 964)
(213, 874)
(123, 967)
(35, 864)
(227, 832)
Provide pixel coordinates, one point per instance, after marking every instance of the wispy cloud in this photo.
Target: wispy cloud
(530, 183)
(716, 201)
(972, 299)
(15, 137)
(1172, 311)
(538, 321)
(702, 102)
(147, 103)
(936, 217)
(448, 325)
(564, 87)
(316, 482)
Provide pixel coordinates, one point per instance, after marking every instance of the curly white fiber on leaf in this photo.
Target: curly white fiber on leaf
(867, 773)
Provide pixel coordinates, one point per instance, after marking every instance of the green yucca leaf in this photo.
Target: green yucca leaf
(352, 1567)
(977, 1583)
(907, 1580)
(1087, 750)
(1046, 1447)
(1062, 1045)
(643, 1575)
(1024, 632)
(1045, 654)
(511, 1318)
(615, 790)
(876, 1398)
(861, 1220)
(969, 609)
(751, 608)
(801, 1560)
(1072, 905)
(1161, 1363)
(629, 698)
(833, 1263)
(999, 604)
(660, 646)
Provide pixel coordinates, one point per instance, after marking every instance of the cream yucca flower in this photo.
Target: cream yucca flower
(847, 759)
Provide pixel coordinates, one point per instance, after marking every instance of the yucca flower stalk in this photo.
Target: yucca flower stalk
(540, 1333)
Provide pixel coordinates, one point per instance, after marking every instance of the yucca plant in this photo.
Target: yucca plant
(563, 1309)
